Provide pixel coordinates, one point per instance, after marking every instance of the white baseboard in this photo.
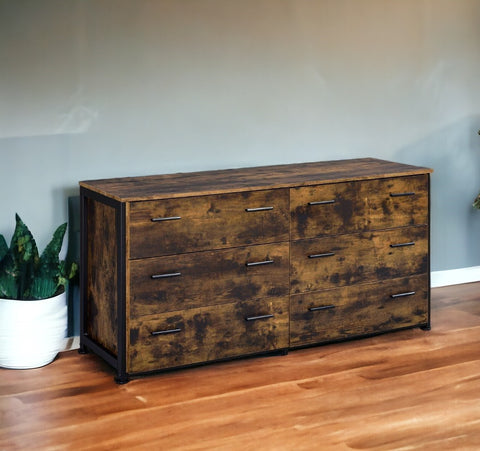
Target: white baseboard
(438, 279)
(455, 276)
(72, 343)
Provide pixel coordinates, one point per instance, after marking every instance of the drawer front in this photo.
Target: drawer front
(358, 206)
(208, 333)
(362, 309)
(174, 226)
(329, 262)
(163, 284)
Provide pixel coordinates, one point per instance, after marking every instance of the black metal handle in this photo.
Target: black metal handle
(255, 318)
(410, 243)
(250, 210)
(165, 276)
(323, 307)
(408, 193)
(322, 202)
(401, 295)
(264, 262)
(325, 254)
(169, 218)
(166, 332)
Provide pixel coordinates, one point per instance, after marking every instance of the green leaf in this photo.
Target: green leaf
(26, 275)
(8, 277)
(49, 275)
(43, 288)
(25, 253)
(3, 247)
(476, 202)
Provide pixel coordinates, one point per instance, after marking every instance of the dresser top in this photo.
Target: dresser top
(127, 189)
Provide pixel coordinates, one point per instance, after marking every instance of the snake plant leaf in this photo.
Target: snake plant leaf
(24, 275)
(49, 272)
(8, 277)
(23, 243)
(476, 202)
(25, 254)
(3, 247)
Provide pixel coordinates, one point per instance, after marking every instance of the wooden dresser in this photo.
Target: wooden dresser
(183, 269)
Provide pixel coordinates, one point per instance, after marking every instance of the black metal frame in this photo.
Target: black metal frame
(428, 326)
(118, 362)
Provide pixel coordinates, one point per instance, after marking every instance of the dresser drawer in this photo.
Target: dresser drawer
(199, 279)
(358, 310)
(322, 263)
(348, 207)
(208, 333)
(190, 224)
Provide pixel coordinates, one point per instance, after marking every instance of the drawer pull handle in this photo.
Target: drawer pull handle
(165, 276)
(402, 295)
(409, 193)
(323, 307)
(265, 262)
(166, 332)
(255, 318)
(325, 254)
(250, 210)
(410, 243)
(169, 218)
(322, 202)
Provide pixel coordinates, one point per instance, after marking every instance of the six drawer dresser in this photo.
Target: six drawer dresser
(183, 269)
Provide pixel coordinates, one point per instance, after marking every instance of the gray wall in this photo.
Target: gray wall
(103, 88)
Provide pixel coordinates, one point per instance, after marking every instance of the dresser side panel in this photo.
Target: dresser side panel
(102, 288)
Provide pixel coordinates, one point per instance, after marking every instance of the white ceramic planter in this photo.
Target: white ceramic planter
(32, 332)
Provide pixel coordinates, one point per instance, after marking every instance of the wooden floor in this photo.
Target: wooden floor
(402, 391)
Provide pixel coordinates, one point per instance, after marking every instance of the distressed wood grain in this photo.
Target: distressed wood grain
(323, 263)
(208, 222)
(101, 293)
(354, 206)
(129, 189)
(358, 310)
(208, 278)
(208, 333)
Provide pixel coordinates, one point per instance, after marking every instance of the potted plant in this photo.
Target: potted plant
(33, 307)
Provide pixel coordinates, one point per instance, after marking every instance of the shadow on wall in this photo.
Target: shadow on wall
(453, 152)
(73, 255)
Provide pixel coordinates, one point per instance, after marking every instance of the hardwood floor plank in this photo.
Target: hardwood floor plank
(408, 390)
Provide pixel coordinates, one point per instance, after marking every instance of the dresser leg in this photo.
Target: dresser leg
(82, 350)
(426, 327)
(121, 379)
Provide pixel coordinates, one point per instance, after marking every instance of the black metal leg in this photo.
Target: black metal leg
(121, 379)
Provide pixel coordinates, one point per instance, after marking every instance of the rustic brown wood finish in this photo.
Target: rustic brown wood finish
(128, 189)
(359, 309)
(208, 278)
(358, 206)
(208, 333)
(189, 268)
(101, 317)
(207, 222)
(367, 257)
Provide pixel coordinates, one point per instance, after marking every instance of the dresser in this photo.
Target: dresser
(188, 268)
